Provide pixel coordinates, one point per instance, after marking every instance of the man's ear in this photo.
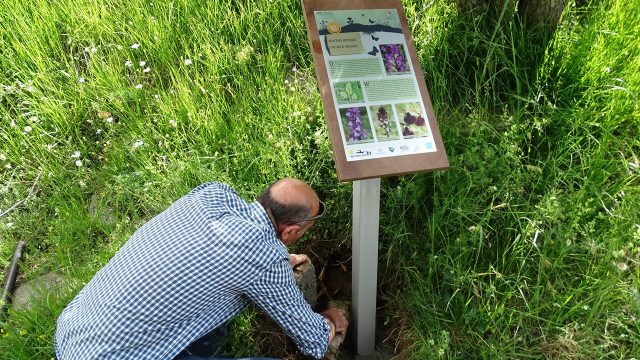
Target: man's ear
(289, 233)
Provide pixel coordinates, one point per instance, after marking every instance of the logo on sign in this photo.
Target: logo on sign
(333, 27)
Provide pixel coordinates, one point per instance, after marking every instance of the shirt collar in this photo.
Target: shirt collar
(263, 218)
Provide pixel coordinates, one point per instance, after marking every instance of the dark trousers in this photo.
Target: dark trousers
(203, 348)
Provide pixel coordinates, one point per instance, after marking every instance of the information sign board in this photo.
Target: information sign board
(380, 118)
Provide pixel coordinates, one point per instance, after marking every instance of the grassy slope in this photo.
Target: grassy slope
(527, 246)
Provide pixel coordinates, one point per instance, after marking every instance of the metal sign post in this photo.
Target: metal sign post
(366, 215)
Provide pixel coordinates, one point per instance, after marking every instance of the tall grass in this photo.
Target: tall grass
(528, 246)
(125, 106)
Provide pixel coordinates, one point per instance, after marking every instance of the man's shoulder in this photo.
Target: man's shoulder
(213, 187)
(218, 197)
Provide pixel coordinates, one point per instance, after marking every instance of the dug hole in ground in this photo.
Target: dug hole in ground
(330, 272)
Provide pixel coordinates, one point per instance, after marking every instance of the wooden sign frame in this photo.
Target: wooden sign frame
(390, 164)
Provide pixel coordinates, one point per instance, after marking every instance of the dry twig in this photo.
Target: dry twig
(31, 192)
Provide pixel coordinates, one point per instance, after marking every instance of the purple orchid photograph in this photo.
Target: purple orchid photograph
(394, 59)
(356, 125)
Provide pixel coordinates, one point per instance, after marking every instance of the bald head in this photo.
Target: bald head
(290, 201)
(290, 191)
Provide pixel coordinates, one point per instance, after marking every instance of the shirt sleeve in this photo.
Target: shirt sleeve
(276, 293)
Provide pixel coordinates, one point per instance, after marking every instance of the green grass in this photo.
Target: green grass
(527, 247)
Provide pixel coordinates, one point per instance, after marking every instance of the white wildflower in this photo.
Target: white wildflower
(27, 129)
(128, 63)
(244, 54)
(82, 184)
(76, 155)
(137, 144)
(155, 96)
(109, 119)
(33, 119)
(618, 253)
(3, 157)
(94, 50)
(173, 123)
(12, 124)
(135, 46)
(139, 86)
(142, 63)
(188, 62)
(7, 166)
(622, 266)
(78, 163)
(81, 80)
(9, 225)
(98, 131)
(147, 69)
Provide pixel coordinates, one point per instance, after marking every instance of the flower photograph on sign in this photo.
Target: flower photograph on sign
(348, 92)
(356, 125)
(394, 59)
(412, 120)
(385, 123)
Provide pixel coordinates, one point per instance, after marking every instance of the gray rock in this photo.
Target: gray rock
(26, 294)
(305, 275)
(97, 210)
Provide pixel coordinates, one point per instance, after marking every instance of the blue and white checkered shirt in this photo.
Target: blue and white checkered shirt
(185, 272)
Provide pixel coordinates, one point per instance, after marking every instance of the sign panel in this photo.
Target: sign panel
(379, 114)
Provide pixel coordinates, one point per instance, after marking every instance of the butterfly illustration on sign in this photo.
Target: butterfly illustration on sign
(374, 52)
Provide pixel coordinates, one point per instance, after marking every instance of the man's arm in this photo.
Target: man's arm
(277, 294)
(335, 317)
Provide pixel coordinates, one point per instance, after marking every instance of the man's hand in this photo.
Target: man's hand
(339, 321)
(295, 259)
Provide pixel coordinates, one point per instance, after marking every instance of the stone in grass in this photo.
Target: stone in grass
(28, 293)
(100, 212)
(305, 275)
